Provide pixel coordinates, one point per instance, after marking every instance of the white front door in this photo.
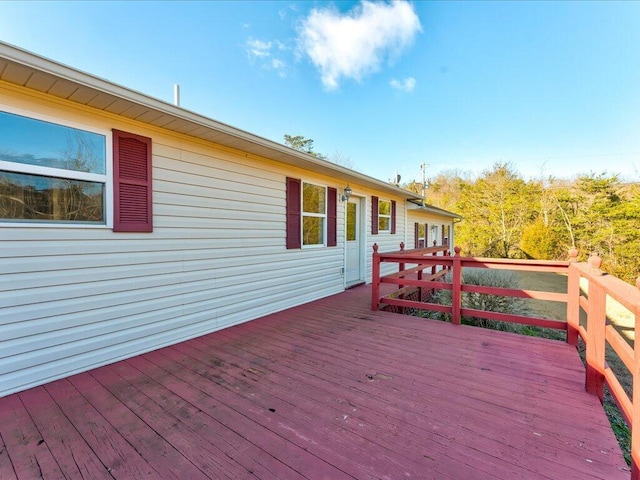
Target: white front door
(353, 268)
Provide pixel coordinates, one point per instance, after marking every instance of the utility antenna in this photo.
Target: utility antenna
(423, 167)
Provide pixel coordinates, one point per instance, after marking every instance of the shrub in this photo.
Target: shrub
(482, 301)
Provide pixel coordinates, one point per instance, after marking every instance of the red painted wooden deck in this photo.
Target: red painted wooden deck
(328, 390)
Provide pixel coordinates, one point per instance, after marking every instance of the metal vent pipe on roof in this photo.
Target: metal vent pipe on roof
(176, 94)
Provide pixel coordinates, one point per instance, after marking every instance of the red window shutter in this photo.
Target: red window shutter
(332, 217)
(426, 235)
(132, 174)
(374, 215)
(442, 236)
(294, 195)
(416, 234)
(393, 216)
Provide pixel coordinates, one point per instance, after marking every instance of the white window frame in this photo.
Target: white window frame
(106, 178)
(316, 215)
(380, 215)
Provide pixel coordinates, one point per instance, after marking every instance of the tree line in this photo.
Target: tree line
(506, 216)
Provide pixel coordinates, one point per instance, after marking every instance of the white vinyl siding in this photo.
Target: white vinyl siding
(72, 299)
(76, 298)
(435, 223)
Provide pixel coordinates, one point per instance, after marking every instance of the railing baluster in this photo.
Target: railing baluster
(375, 278)
(435, 254)
(456, 287)
(401, 266)
(573, 305)
(596, 323)
(635, 409)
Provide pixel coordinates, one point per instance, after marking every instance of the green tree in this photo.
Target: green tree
(302, 144)
(542, 241)
(496, 208)
(443, 190)
(625, 218)
(506, 216)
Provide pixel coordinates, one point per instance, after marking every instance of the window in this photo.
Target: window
(313, 214)
(51, 172)
(420, 234)
(384, 216)
(312, 217)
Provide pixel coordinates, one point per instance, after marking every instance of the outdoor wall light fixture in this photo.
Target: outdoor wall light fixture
(346, 194)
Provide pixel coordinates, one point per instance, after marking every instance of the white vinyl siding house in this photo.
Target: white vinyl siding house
(214, 251)
(73, 297)
(427, 224)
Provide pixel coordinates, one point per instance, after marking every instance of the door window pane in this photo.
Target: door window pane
(351, 221)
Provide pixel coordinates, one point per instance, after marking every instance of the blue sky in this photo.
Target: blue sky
(553, 88)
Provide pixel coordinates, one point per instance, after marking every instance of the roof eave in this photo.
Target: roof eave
(204, 127)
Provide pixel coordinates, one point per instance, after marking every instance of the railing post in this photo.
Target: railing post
(635, 408)
(596, 323)
(375, 279)
(573, 254)
(456, 286)
(573, 304)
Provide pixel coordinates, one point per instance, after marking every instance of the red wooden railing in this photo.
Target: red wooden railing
(597, 334)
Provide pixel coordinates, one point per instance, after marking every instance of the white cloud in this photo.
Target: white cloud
(354, 44)
(262, 52)
(258, 48)
(406, 85)
(280, 67)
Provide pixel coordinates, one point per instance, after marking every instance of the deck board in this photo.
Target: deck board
(327, 390)
(118, 456)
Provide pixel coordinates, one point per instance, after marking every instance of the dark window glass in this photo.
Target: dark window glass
(34, 197)
(351, 221)
(313, 230)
